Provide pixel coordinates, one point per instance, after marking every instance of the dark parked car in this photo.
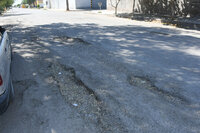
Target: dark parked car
(6, 88)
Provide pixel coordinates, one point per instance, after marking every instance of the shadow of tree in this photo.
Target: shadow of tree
(167, 58)
(11, 15)
(171, 55)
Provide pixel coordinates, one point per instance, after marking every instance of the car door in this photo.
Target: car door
(8, 52)
(4, 61)
(7, 58)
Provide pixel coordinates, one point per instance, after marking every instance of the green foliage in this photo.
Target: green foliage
(157, 7)
(171, 8)
(28, 2)
(5, 4)
(194, 8)
(18, 5)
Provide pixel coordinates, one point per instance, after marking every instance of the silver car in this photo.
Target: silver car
(6, 88)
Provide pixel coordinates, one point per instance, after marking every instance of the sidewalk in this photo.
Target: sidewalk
(187, 23)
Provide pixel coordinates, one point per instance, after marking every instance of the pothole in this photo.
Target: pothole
(83, 98)
(147, 83)
(67, 39)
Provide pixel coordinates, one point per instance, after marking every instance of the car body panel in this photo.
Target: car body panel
(5, 64)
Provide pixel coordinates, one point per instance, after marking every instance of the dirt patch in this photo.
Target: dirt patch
(70, 40)
(187, 23)
(83, 98)
(147, 83)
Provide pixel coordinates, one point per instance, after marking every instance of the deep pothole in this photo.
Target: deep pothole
(83, 98)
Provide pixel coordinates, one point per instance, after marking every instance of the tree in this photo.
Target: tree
(115, 5)
(67, 4)
(5, 4)
(194, 8)
(28, 2)
(9, 3)
(133, 7)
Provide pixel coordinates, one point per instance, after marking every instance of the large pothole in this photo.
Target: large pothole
(83, 98)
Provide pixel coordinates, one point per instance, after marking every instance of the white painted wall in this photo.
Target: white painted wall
(72, 4)
(55, 4)
(124, 5)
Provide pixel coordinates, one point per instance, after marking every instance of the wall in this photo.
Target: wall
(58, 4)
(83, 4)
(126, 6)
(74, 4)
(55, 4)
(86, 4)
(95, 4)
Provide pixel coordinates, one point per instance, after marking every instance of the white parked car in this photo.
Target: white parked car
(6, 88)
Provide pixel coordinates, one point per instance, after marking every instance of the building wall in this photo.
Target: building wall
(73, 4)
(58, 4)
(83, 4)
(55, 4)
(86, 4)
(39, 2)
(126, 6)
(95, 4)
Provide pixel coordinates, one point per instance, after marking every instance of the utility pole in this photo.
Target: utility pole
(67, 5)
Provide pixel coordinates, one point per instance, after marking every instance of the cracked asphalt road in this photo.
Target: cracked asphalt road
(84, 72)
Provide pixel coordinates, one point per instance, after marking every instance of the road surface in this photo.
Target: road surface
(81, 71)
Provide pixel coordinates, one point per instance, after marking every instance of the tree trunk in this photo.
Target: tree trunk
(67, 5)
(172, 9)
(133, 7)
(115, 11)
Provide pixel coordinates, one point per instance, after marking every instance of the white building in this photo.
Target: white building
(73, 4)
(55, 4)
